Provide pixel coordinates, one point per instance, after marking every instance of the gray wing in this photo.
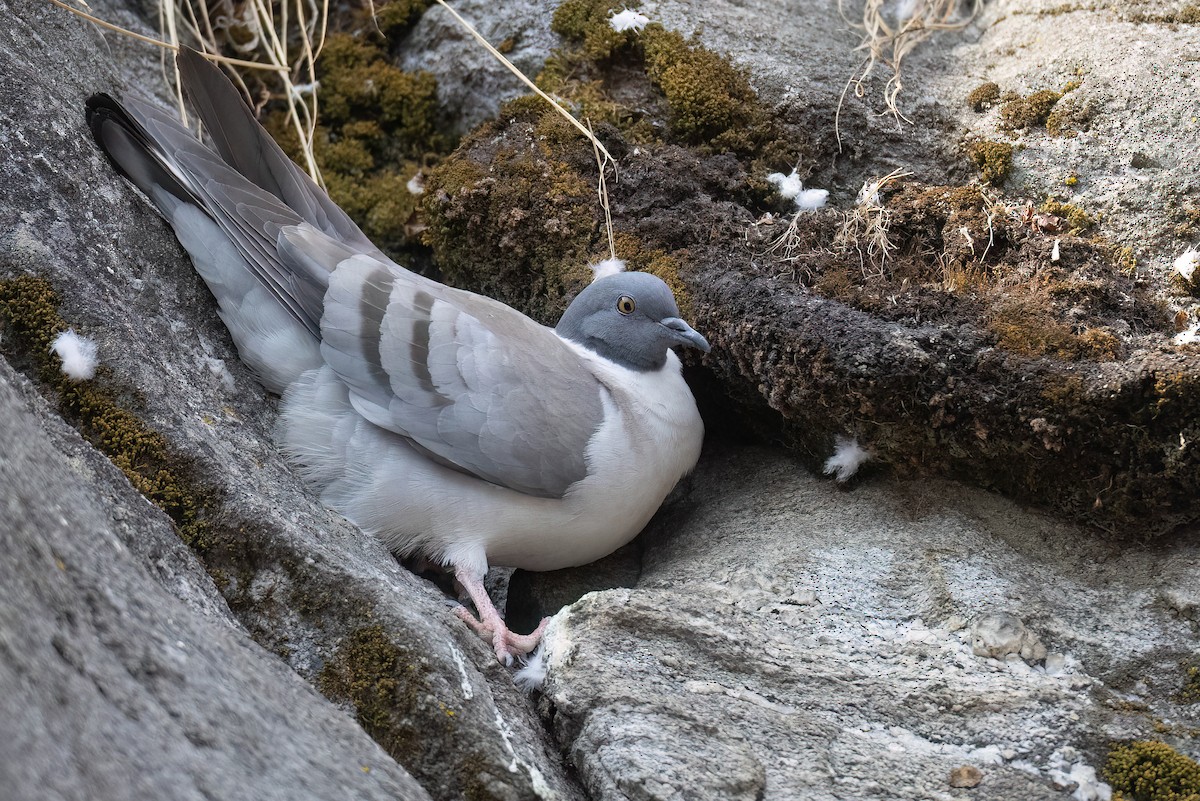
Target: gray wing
(475, 384)
(244, 145)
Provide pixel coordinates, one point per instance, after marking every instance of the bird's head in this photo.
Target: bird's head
(630, 319)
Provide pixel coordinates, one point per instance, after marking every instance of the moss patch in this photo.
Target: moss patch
(378, 127)
(30, 321)
(526, 222)
(1068, 118)
(1189, 693)
(586, 22)
(387, 688)
(956, 254)
(710, 99)
(984, 96)
(1029, 326)
(1188, 15)
(1146, 770)
(992, 159)
(706, 100)
(1076, 218)
(1026, 112)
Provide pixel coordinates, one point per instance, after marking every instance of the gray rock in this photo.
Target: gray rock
(1000, 634)
(300, 581)
(122, 673)
(790, 640)
(471, 82)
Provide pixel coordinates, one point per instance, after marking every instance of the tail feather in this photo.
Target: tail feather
(244, 145)
(173, 168)
(127, 145)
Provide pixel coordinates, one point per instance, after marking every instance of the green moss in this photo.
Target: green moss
(1025, 112)
(358, 83)
(992, 159)
(384, 685)
(1077, 219)
(709, 101)
(709, 98)
(1146, 770)
(984, 96)
(1187, 221)
(395, 17)
(1188, 15)
(378, 126)
(29, 313)
(1189, 693)
(1124, 259)
(586, 22)
(520, 229)
(1028, 326)
(1067, 119)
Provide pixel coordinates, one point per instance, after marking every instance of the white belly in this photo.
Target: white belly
(651, 438)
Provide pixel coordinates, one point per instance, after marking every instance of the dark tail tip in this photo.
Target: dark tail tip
(103, 111)
(130, 150)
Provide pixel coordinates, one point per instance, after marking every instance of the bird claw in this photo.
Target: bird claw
(504, 642)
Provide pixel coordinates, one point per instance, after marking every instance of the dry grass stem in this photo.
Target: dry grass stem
(596, 143)
(865, 227)
(234, 62)
(891, 30)
(603, 162)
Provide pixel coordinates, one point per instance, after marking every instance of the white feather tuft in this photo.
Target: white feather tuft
(628, 21)
(1186, 264)
(812, 199)
(792, 188)
(869, 195)
(78, 354)
(606, 268)
(790, 185)
(847, 457)
(532, 674)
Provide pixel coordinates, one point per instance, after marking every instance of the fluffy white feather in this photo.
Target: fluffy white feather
(1186, 264)
(606, 268)
(869, 195)
(78, 354)
(792, 188)
(628, 20)
(812, 199)
(532, 674)
(847, 457)
(790, 185)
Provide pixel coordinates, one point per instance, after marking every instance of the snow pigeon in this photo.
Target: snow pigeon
(447, 424)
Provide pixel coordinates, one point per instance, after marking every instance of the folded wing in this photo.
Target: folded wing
(476, 385)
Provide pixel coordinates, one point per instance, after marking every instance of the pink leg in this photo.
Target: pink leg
(490, 626)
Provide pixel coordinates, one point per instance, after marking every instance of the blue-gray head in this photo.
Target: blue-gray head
(628, 318)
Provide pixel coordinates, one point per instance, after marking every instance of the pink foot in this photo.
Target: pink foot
(504, 642)
(490, 626)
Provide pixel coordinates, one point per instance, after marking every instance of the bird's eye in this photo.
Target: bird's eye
(625, 304)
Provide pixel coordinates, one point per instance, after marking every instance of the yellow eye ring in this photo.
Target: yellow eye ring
(626, 304)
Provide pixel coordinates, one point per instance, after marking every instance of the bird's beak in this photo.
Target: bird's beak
(684, 334)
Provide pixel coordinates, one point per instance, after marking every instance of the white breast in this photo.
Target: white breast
(650, 439)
